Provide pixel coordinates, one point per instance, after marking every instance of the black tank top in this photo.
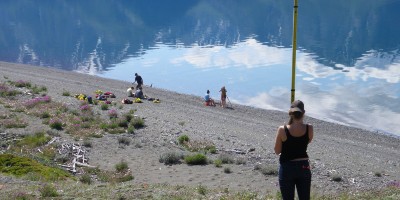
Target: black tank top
(294, 147)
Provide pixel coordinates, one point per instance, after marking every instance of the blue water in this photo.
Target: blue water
(348, 59)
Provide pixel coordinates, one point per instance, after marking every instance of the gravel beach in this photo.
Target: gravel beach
(363, 160)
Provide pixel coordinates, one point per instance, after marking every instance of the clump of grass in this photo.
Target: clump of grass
(87, 143)
(36, 140)
(6, 92)
(336, 178)
(226, 158)
(56, 123)
(227, 170)
(36, 90)
(240, 161)
(183, 139)
(202, 190)
(112, 114)
(44, 115)
(13, 123)
(218, 163)
(378, 174)
(130, 130)
(137, 122)
(121, 166)
(170, 158)
(104, 106)
(66, 93)
(124, 140)
(267, 169)
(86, 179)
(22, 166)
(48, 191)
(21, 83)
(196, 159)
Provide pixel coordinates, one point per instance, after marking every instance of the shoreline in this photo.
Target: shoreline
(337, 150)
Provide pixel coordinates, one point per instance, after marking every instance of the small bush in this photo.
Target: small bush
(226, 158)
(87, 143)
(183, 138)
(86, 179)
(227, 170)
(104, 106)
(66, 93)
(202, 190)
(56, 123)
(121, 166)
(36, 140)
(124, 140)
(336, 178)
(170, 158)
(123, 123)
(44, 115)
(137, 122)
(241, 161)
(218, 163)
(197, 159)
(21, 83)
(48, 191)
(130, 130)
(267, 169)
(112, 114)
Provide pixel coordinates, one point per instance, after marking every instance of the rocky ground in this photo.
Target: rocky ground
(343, 158)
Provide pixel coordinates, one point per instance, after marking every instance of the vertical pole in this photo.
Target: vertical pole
(294, 40)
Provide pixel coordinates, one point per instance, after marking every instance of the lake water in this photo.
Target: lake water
(348, 58)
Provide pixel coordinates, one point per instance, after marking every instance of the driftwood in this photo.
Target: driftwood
(76, 154)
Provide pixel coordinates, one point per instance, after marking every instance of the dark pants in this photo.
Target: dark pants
(295, 174)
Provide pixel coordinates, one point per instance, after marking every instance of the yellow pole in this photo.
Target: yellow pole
(294, 50)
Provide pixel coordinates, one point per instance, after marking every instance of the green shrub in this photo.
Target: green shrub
(197, 159)
(227, 170)
(267, 169)
(121, 166)
(226, 158)
(183, 138)
(170, 158)
(86, 179)
(87, 143)
(66, 93)
(123, 123)
(21, 166)
(218, 163)
(36, 140)
(336, 178)
(48, 191)
(104, 106)
(241, 161)
(130, 130)
(44, 115)
(137, 122)
(124, 140)
(202, 190)
(56, 124)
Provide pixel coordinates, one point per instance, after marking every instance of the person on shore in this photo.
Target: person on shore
(130, 92)
(223, 96)
(139, 93)
(138, 80)
(209, 101)
(291, 144)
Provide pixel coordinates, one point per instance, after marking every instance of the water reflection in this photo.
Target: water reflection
(348, 61)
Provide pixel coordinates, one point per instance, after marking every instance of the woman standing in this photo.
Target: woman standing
(291, 144)
(223, 97)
